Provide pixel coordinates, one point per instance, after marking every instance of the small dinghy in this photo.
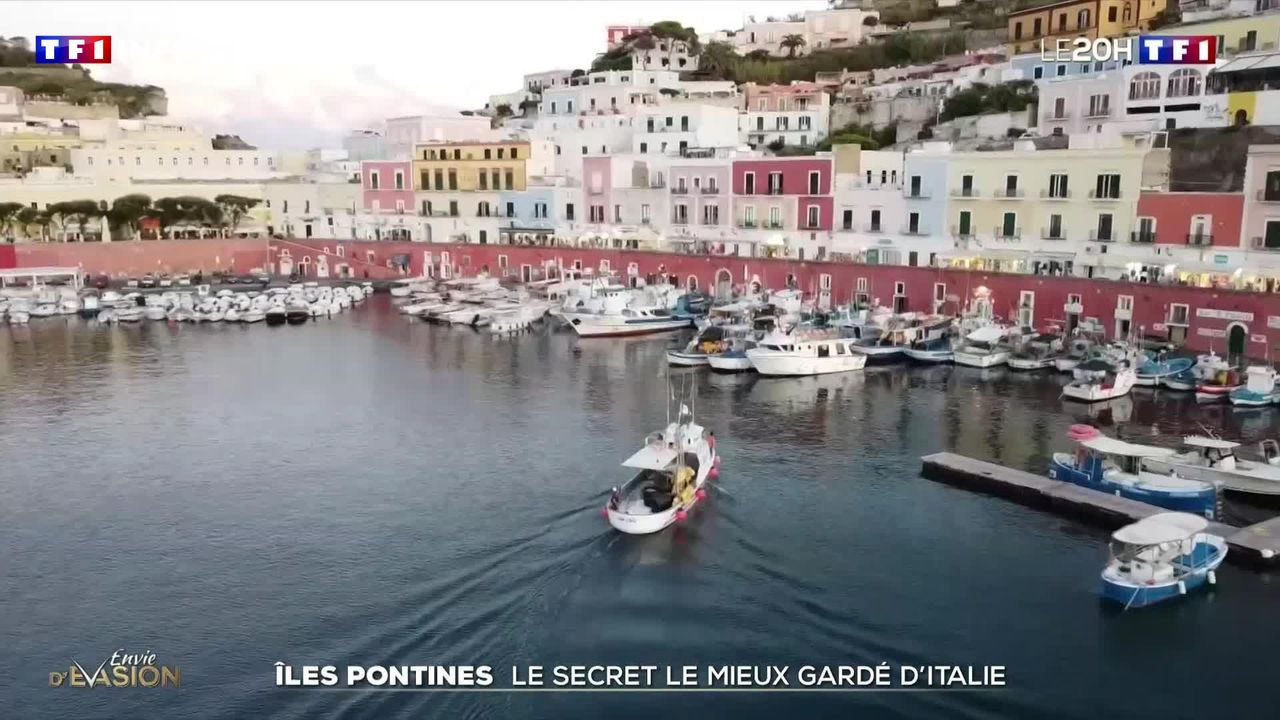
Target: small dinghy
(1098, 379)
(296, 314)
(276, 315)
(1153, 372)
(938, 350)
(1161, 557)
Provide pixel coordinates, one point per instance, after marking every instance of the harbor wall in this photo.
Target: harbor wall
(1224, 320)
(8, 257)
(136, 257)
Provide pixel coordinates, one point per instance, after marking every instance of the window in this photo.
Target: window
(965, 228)
(568, 211)
(913, 223)
(453, 208)
(1104, 226)
(496, 180)
(1009, 226)
(814, 182)
(399, 179)
(1054, 231)
(966, 185)
(1107, 186)
(453, 179)
(540, 210)
(812, 216)
(595, 213)
(439, 180)
(749, 183)
(875, 221)
(1183, 82)
(749, 216)
(1036, 28)
(1178, 313)
(426, 207)
(939, 292)
(1082, 20)
(1017, 31)
(846, 222)
(1038, 72)
(915, 185)
(644, 147)
(1061, 70)
(488, 154)
(484, 180)
(711, 215)
(1124, 303)
(775, 216)
(1099, 105)
(1111, 14)
(510, 209)
(617, 213)
(806, 123)
(482, 209)
(1011, 186)
(1146, 230)
(1058, 185)
(681, 214)
(775, 183)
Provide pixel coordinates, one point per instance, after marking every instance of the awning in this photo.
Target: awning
(1161, 528)
(1208, 442)
(1111, 446)
(652, 457)
(985, 254)
(1249, 62)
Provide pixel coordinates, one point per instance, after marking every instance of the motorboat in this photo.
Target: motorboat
(1038, 353)
(1205, 366)
(129, 315)
(1098, 379)
(19, 317)
(1213, 460)
(253, 315)
(1076, 352)
(155, 312)
(1154, 371)
(674, 466)
(44, 310)
(805, 352)
(297, 313)
(710, 340)
(628, 321)
(89, 306)
(1218, 385)
(937, 350)
(1259, 387)
(1161, 557)
(983, 348)
(276, 315)
(1119, 468)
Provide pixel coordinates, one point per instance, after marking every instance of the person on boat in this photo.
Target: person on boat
(615, 499)
(684, 485)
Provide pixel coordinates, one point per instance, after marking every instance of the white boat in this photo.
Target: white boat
(129, 315)
(1036, 354)
(982, 348)
(1259, 388)
(1212, 460)
(19, 317)
(1076, 352)
(1099, 379)
(44, 310)
(231, 315)
(674, 466)
(804, 352)
(89, 306)
(155, 312)
(1161, 557)
(253, 315)
(628, 321)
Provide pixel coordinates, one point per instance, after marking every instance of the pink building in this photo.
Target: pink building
(700, 194)
(783, 193)
(1189, 218)
(784, 98)
(387, 185)
(617, 32)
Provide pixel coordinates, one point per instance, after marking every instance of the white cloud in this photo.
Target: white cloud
(298, 74)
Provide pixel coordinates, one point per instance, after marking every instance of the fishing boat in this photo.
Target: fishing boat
(707, 341)
(1035, 354)
(1076, 351)
(1205, 366)
(805, 352)
(297, 313)
(627, 321)
(276, 315)
(937, 350)
(1259, 388)
(1213, 460)
(1218, 385)
(89, 306)
(983, 348)
(1161, 557)
(1119, 468)
(675, 465)
(1099, 379)
(1152, 372)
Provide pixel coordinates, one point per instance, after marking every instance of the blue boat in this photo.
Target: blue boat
(1259, 388)
(1161, 557)
(1151, 372)
(1116, 467)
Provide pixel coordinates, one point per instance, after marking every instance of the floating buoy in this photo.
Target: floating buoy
(1213, 578)
(1182, 587)
(702, 495)
(681, 515)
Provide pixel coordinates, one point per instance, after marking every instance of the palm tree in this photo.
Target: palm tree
(792, 43)
(8, 215)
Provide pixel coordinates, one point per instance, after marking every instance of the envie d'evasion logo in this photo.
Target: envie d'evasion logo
(121, 670)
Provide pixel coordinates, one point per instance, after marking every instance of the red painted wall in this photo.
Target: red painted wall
(1173, 211)
(795, 175)
(386, 194)
(8, 257)
(826, 212)
(136, 257)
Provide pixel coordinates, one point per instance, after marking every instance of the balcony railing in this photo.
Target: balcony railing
(1060, 115)
(915, 193)
(772, 225)
(1098, 112)
(1050, 234)
(1105, 195)
(1199, 239)
(908, 230)
(747, 224)
(1142, 237)
(777, 190)
(1268, 197)
(962, 234)
(1260, 243)
(1055, 195)
(711, 190)
(1096, 235)
(1009, 193)
(964, 192)
(873, 228)
(679, 191)
(1002, 233)
(677, 220)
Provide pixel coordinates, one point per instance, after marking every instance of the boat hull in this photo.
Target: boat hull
(981, 360)
(879, 354)
(1066, 364)
(1237, 482)
(1029, 364)
(1202, 502)
(588, 328)
(929, 356)
(1248, 398)
(794, 365)
(1096, 392)
(730, 362)
(649, 523)
(1214, 393)
(680, 358)
(1205, 558)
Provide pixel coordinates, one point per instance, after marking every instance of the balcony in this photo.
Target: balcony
(1008, 193)
(1073, 308)
(772, 225)
(873, 228)
(747, 224)
(710, 190)
(964, 234)
(1267, 197)
(1260, 243)
(964, 192)
(1051, 234)
(1006, 234)
(1055, 195)
(679, 190)
(1104, 196)
(1199, 239)
(711, 222)
(1096, 235)
(908, 230)
(777, 190)
(1060, 115)
(1102, 112)
(915, 193)
(1142, 237)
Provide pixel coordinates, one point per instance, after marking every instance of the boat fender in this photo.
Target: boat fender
(713, 473)
(1182, 587)
(604, 512)
(681, 515)
(1213, 578)
(702, 495)
(716, 463)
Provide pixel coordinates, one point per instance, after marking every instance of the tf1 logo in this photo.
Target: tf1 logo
(1144, 50)
(69, 49)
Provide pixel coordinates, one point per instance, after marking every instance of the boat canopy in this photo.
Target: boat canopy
(1161, 528)
(1111, 446)
(652, 457)
(1201, 441)
(988, 334)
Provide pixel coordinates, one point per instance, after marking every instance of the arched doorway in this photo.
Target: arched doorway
(1237, 341)
(691, 283)
(1242, 117)
(724, 284)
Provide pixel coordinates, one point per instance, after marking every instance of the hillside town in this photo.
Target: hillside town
(988, 158)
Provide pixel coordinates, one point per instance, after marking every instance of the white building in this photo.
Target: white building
(124, 161)
(539, 81)
(364, 145)
(795, 114)
(439, 126)
(299, 209)
(870, 209)
(1132, 98)
(674, 126)
(666, 54)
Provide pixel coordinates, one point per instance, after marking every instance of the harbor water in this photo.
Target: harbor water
(371, 489)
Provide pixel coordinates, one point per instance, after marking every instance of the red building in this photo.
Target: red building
(1190, 218)
(803, 183)
(387, 185)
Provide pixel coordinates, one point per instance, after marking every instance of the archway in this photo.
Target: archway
(691, 284)
(1242, 117)
(724, 284)
(1237, 340)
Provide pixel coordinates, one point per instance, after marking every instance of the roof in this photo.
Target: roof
(1208, 442)
(27, 272)
(1161, 528)
(1260, 61)
(987, 334)
(651, 457)
(1111, 446)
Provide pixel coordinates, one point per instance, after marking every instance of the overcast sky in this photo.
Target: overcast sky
(298, 73)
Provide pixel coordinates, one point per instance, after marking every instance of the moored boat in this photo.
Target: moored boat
(1218, 385)
(1213, 460)
(1035, 354)
(1259, 388)
(627, 321)
(1161, 557)
(1099, 379)
(982, 348)
(1153, 371)
(805, 352)
(938, 350)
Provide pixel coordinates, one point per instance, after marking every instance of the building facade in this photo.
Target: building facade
(795, 114)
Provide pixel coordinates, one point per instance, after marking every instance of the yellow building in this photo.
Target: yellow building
(1079, 18)
(471, 167)
(1237, 34)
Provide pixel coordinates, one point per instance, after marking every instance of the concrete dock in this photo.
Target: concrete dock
(1255, 546)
